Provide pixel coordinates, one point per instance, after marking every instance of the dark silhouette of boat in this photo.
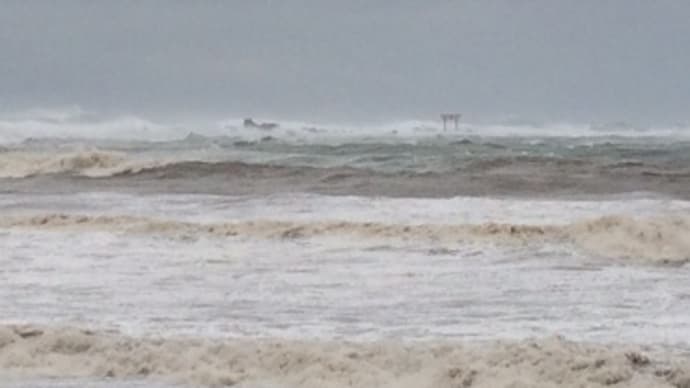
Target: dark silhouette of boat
(250, 123)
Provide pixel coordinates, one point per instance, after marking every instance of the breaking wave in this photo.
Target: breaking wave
(77, 123)
(106, 163)
(34, 351)
(89, 163)
(656, 241)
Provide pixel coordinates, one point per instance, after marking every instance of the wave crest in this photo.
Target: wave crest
(92, 163)
(664, 240)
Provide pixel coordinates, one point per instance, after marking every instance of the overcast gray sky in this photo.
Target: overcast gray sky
(584, 60)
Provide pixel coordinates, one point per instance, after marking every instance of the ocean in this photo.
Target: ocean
(135, 254)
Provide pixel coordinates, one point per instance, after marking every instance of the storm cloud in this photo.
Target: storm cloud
(361, 60)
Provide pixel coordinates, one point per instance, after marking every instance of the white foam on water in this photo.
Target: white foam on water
(174, 301)
(546, 362)
(178, 276)
(74, 122)
(314, 207)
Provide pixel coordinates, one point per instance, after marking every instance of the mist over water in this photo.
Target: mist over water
(76, 123)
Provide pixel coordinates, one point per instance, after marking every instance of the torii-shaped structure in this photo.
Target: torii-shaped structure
(454, 117)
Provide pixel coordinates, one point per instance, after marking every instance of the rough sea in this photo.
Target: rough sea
(142, 255)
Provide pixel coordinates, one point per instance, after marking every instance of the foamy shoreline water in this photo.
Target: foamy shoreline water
(348, 267)
(653, 241)
(547, 362)
(443, 262)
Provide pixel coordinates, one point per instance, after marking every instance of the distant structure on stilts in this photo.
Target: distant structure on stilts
(450, 117)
